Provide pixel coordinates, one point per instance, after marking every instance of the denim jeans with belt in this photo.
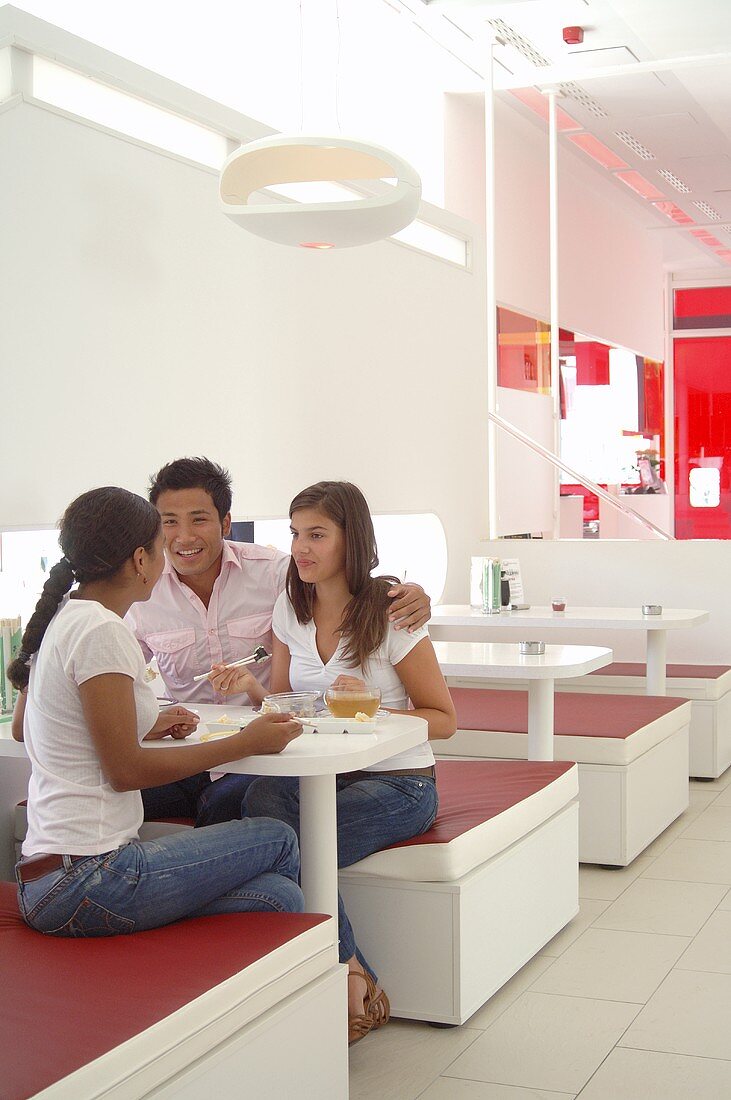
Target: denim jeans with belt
(374, 810)
(238, 867)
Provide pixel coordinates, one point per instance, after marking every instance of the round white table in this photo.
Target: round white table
(501, 661)
(317, 759)
(580, 618)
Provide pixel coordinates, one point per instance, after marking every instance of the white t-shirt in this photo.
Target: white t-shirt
(308, 673)
(72, 809)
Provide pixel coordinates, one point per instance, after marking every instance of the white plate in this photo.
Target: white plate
(326, 723)
(212, 731)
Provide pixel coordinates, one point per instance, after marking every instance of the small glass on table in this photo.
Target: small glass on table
(558, 605)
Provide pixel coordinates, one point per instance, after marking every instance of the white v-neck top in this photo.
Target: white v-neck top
(307, 672)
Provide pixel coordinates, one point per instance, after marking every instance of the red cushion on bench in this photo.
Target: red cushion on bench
(65, 1002)
(632, 668)
(575, 715)
(473, 791)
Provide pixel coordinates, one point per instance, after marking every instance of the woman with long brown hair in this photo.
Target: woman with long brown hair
(331, 628)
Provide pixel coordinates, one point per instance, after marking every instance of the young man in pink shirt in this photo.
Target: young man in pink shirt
(213, 604)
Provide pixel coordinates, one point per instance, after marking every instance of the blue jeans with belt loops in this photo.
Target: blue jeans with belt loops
(373, 811)
(237, 867)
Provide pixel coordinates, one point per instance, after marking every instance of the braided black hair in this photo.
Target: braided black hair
(100, 531)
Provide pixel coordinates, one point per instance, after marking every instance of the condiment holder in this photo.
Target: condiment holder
(652, 609)
(532, 649)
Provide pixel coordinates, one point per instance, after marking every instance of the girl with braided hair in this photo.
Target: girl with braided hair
(83, 711)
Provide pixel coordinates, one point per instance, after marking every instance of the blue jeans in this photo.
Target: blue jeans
(373, 811)
(207, 802)
(239, 867)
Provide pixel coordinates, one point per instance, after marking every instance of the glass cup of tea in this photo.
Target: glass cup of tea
(347, 702)
(558, 604)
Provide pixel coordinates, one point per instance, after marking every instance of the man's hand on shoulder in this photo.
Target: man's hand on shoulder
(410, 607)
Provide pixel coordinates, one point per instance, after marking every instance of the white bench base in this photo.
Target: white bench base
(442, 949)
(622, 807)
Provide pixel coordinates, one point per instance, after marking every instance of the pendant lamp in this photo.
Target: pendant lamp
(283, 160)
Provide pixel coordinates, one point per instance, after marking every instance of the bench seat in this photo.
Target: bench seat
(632, 753)
(204, 1005)
(707, 686)
(448, 917)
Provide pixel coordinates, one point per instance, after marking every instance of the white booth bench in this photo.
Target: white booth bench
(203, 1007)
(707, 686)
(632, 753)
(448, 917)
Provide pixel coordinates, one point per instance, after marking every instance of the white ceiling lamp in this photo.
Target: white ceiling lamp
(272, 161)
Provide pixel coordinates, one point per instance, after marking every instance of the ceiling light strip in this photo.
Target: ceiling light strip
(595, 149)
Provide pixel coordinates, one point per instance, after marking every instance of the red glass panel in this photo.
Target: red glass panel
(592, 364)
(702, 435)
(639, 184)
(524, 352)
(703, 307)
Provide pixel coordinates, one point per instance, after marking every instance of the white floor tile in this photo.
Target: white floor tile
(719, 784)
(613, 966)
(655, 905)
(726, 903)
(724, 797)
(400, 1060)
(588, 912)
(510, 992)
(693, 861)
(713, 824)
(711, 949)
(689, 1014)
(646, 1075)
(607, 883)
(449, 1088)
(545, 1042)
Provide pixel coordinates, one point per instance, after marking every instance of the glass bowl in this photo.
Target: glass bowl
(347, 702)
(299, 703)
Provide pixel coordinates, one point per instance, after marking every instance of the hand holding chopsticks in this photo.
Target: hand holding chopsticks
(259, 654)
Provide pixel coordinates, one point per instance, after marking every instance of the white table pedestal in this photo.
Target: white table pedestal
(540, 719)
(319, 843)
(656, 662)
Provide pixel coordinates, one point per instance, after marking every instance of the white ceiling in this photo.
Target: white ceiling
(681, 116)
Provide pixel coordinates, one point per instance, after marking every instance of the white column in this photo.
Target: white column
(491, 294)
(319, 843)
(656, 661)
(554, 286)
(540, 719)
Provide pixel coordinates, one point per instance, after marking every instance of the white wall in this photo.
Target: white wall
(525, 482)
(611, 267)
(140, 325)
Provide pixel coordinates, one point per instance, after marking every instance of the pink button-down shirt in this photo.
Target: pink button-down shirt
(187, 637)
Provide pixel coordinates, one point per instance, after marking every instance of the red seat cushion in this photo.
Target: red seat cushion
(473, 791)
(575, 715)
(65, 1002)
(631, 668)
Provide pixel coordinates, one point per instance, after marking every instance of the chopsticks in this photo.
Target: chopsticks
(259, 654)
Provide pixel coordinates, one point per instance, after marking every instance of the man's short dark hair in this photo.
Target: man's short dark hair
(194, 473)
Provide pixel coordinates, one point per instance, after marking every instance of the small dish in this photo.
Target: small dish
(327, 723)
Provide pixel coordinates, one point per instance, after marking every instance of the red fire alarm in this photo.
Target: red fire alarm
(572, 36)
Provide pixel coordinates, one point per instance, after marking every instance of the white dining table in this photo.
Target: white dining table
(476, 623)
(318, 758)
(504, 661)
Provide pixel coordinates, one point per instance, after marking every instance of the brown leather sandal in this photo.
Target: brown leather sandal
(376, 1003)
(360, 1025)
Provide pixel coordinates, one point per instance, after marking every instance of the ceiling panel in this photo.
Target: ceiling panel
(711, 173)
(675, 135)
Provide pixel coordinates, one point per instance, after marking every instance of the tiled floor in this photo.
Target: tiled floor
(631, 1002)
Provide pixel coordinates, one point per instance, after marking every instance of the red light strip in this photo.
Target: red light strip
(538, 103)
(640, 185)
(594, 148)
(672, 211)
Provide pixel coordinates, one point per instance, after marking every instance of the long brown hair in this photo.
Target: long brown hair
(100, 531)
(365, 620)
